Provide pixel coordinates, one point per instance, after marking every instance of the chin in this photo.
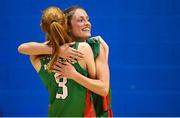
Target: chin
(88, 35)
(85, 36)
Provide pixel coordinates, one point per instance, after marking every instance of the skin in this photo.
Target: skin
(34, 48)
(81, 30)
(81, 27)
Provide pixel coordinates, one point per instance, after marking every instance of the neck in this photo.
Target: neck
(80, 40)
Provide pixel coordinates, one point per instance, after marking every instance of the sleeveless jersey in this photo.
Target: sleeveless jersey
(102, 104)
(67, 98)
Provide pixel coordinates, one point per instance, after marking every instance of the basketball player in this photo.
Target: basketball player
(77, 18)
(67, 98)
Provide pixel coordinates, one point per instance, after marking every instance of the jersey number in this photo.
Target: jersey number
(62, 85)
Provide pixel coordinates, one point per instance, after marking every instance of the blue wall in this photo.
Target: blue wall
(144, 41)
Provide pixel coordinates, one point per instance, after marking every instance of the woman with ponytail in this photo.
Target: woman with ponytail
(67, 98)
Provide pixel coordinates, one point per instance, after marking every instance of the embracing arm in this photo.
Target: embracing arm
(35, 61)
(34, 48)
(104, 44)
(100, 85)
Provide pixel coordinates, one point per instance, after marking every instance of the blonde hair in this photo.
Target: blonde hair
(54, 24)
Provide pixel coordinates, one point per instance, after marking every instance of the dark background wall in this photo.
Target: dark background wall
(144, 41)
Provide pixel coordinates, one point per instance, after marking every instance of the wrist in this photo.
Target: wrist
(75, 75)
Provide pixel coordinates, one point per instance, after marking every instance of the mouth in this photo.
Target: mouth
(86, 29)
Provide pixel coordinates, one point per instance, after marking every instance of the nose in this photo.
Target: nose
(87, 23)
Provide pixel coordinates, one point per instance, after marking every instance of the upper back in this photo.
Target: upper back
(88, 61)
(84, 48)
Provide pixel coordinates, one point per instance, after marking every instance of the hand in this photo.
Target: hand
(70, 53)
(64, 70)
(104, 44)
(97, 38)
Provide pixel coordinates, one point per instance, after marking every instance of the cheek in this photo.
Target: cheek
(76, 30)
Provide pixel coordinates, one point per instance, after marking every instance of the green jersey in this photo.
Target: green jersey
(67, 98)
(102, 104)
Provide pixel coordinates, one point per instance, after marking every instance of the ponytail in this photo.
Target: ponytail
(58, 36)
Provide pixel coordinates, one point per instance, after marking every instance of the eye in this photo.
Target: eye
(80, 20)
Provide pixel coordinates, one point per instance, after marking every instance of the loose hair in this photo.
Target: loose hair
(54, 24)
(69, 12)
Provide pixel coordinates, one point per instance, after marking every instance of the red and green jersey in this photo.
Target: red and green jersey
(102, 104)
(67, 98)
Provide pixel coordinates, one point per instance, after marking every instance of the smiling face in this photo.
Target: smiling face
(80, 25)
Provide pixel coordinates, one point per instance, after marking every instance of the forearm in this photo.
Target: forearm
(97, 86)
(106, 48)
(34, 48)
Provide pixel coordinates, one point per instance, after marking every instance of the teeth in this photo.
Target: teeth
(86, 29)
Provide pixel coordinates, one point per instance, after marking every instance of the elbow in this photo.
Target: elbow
(104, 91)
(22, 49)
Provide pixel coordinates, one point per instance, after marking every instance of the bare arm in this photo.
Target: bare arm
(104, 44)
(35, 61)
(34, 48)
(99, 85)
(89, 59)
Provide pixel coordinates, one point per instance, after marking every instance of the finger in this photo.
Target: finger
(65, 63)
(60, 76)
(59, 64)
(56, 75)
(55, 71)
(96, 37)
(77, 54)
(77, 51)
(71, 60)
(55, 67)
(73, 56)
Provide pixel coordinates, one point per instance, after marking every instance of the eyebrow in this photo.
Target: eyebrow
(83, 17)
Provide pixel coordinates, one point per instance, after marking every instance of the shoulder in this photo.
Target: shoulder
(84, 46)
(86, 50)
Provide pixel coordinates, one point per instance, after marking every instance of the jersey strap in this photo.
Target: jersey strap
(95, 46)
(75, 46)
